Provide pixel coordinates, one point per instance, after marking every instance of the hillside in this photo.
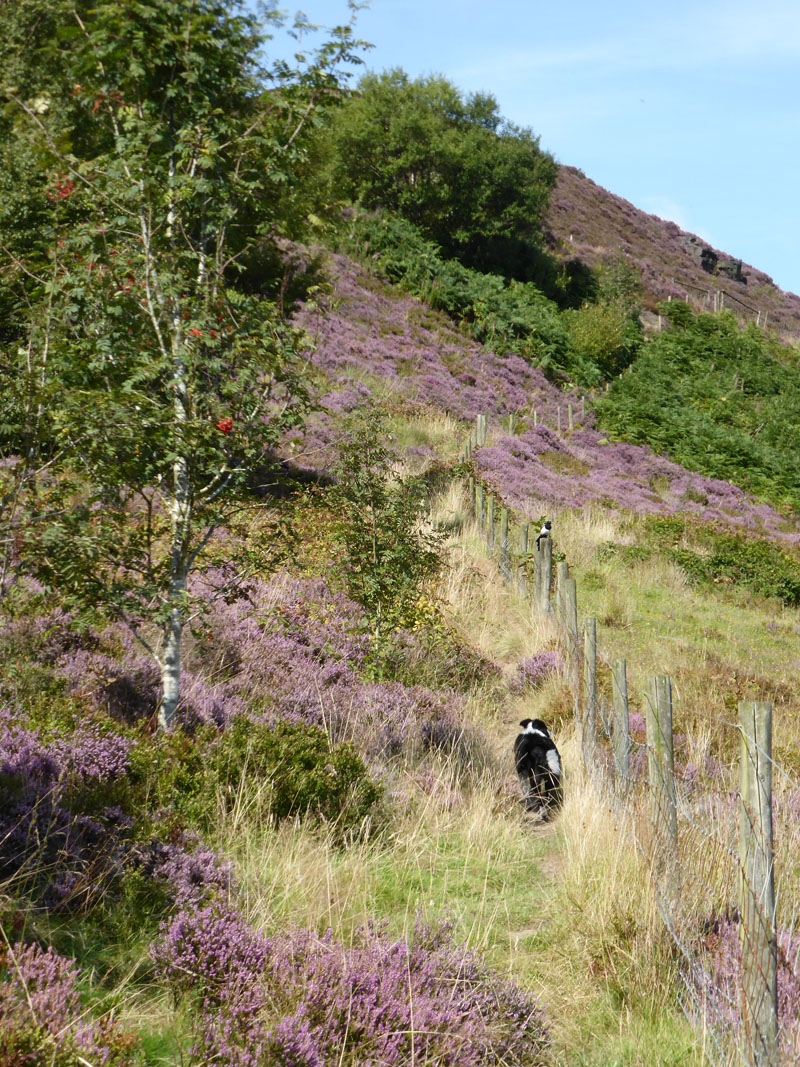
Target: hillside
(587, 222)
(211, 839)
(273, 459)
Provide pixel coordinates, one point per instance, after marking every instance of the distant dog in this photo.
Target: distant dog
(538, 767)
(544, 533)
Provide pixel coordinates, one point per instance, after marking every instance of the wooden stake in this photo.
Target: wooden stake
(589, 722)
(661, 766)
(622, 730)
(757, 886)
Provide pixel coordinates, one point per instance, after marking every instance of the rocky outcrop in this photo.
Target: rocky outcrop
(710, 261)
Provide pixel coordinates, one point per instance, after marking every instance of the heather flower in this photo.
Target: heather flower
(41, 1012)
(536, 669)
(716, 979)
(539, 467)
(192, 872)
(211, 944)
(311, 1001)
(41, 835)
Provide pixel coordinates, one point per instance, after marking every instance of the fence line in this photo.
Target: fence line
(694, 900)
(715, 299)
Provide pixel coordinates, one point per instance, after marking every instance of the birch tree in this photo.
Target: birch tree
(170, 379)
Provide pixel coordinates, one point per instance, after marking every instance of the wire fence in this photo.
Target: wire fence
(717, 299)
(704, 830)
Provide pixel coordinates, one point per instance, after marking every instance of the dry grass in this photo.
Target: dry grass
(447, 852)
(566, 908)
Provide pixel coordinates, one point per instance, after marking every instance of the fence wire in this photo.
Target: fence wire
(697, 843)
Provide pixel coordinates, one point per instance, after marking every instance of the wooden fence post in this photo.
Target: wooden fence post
(661, 768)
(471, 495)
(479, 507)
(562, 573)
(505, 562)
(622, 728)
(512, 422)
(757, 886)
(490, 523)
(522, 576)
(481, 429)
(558, 419)
(535, 417)
(589, 722)
(571, 641)
(542, 576)
(570, 417)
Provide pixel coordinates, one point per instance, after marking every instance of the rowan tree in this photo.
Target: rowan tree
(167, 381)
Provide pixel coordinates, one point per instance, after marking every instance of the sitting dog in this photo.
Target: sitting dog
(538, 767)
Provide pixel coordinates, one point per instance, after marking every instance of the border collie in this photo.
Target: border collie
(538, 767)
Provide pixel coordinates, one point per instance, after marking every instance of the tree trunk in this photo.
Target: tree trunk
(180, 506)
(171, 668)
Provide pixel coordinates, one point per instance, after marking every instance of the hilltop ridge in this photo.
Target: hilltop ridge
(587, 222)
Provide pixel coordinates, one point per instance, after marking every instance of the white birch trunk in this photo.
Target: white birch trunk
(181, 512)
(171, 669)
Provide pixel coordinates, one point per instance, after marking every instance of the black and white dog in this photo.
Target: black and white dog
(544, 533)
(538, 767)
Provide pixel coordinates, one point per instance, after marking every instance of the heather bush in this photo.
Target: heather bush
(41, 1016)
(716, 979)
(303, 999)
(536, 669)
(392, 344)
(584, 469)
(62, 833)
(81, 818)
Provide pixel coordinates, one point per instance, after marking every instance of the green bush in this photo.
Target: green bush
(194, 776)
(506, 316)
(755, 565)
(605, 336)
(470, 180)
(720, 399)
(306, 774)
(387, 552)
(711, 556)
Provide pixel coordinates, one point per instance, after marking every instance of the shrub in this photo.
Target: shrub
(301, 999)
(604, 336)
(41, 1017)
(754, 564)
(195, 776)
(712, 556)
(387, 552)
(717, 398)
(306, 774)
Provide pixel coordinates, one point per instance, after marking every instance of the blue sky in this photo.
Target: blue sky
(691, 112)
